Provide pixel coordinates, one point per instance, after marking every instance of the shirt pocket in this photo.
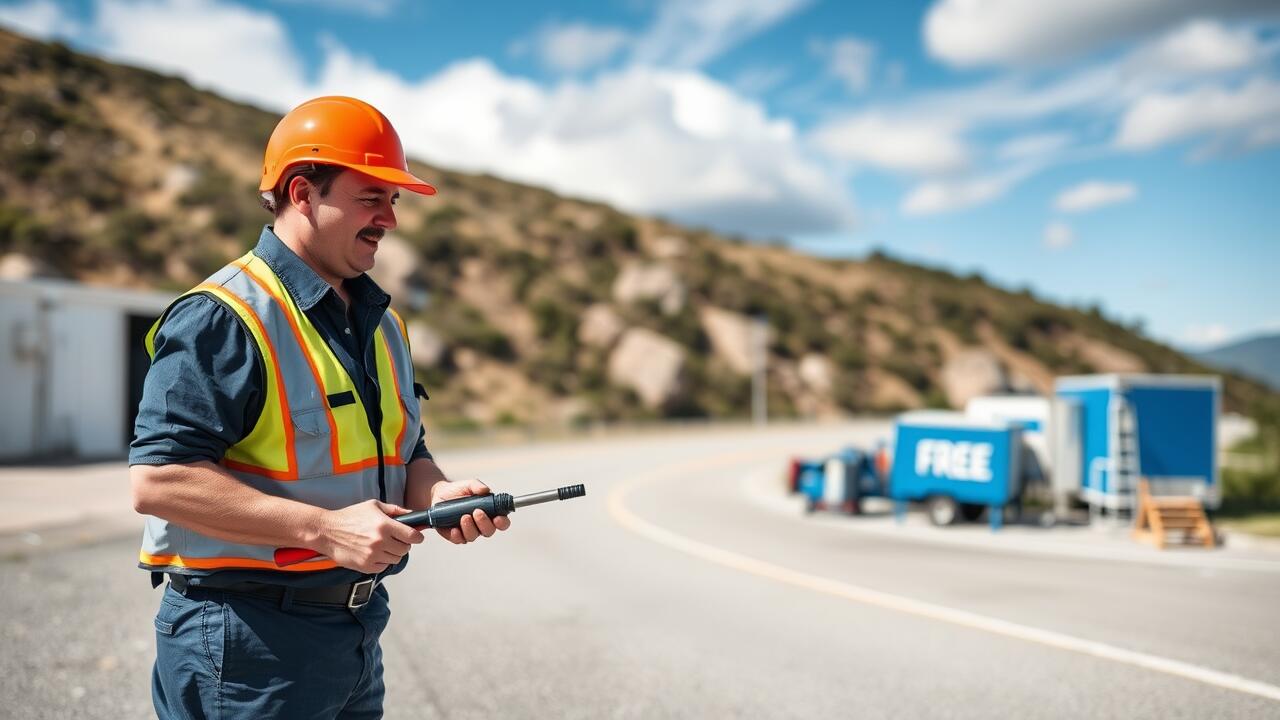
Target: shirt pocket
(312, 442)
(313, 422)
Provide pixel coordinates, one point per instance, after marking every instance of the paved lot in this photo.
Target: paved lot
(685, 585)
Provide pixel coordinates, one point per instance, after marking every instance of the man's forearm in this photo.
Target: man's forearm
(421, 475)
(207, 499)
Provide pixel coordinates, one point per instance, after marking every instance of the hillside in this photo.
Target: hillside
(525, 306)
(1257, 357)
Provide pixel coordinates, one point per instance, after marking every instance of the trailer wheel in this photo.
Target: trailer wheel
(942, 510)
(971, 512)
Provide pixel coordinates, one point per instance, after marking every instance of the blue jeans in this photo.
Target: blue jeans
(225, 655)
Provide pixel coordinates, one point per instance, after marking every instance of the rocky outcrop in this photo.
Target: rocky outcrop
(650, 281)
(888, 392)
(670, 247)
(600, 326)
(730, 335)
(16, 266)
(396, 262)
(650, 364)
(972, 373)
(815, 372)
(425, 344)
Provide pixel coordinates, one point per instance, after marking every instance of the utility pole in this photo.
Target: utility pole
(760, 353)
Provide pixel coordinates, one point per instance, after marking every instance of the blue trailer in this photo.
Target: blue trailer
(837, 482)
(957, 465)
(1161, 428)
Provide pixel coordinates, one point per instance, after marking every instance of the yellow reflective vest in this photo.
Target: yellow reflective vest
(312, 442)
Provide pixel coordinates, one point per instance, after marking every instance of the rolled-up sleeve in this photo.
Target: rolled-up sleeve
(420, 451)
(204, 390)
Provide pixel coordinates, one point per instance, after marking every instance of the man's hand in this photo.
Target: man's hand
(472, 526)
(364, 537)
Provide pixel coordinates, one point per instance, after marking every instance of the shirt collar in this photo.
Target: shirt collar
(303, 283)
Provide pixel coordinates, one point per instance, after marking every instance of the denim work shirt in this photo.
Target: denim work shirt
(204, 391)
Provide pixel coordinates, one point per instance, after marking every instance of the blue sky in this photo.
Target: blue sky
(1124, 153)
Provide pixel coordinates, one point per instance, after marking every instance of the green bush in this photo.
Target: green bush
(131, 237)
(849, 356)
(1245, 492)
(524, 269)
(465, 326)
(552, 319)
(915, 375)
(20, 231)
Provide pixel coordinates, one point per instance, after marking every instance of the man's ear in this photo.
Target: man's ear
(299, 194)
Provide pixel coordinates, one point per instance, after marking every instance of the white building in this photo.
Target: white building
(71, 367)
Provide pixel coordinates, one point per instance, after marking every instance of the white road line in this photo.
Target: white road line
(629, 520)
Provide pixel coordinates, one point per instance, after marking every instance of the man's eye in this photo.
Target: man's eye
(369, 201)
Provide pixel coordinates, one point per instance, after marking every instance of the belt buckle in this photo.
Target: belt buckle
(363, 588)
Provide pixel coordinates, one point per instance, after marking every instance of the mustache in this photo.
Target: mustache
(372, 233)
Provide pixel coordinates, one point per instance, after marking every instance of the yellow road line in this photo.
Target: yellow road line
(816, 583)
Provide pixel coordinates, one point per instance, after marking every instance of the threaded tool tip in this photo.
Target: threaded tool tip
(572, 491)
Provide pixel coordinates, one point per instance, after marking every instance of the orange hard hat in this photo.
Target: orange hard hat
(339, 131)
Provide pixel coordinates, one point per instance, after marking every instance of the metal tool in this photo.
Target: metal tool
(449, 514)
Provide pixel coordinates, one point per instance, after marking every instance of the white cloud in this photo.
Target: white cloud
(1089, 98)
(849, 59)
(676, 143)
(574, 47)
(898, 145)
(242, 53)
(689, 33)
(368, 8)
(1034, 145)
(1094, 194)
(1243, 118)
(1017, 32)
(1058, 236)
(1201, 46)
(647, 140)
(1205, 335)
(759, 79)
(939, 196)
(38, 18)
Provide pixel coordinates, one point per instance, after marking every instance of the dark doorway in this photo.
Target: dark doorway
(136, 368)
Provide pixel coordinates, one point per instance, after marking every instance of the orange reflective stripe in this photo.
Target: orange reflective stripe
(291, 457)
(220, 563)
(395, 379)
(247, 264)
(400, 321)
(334, 455)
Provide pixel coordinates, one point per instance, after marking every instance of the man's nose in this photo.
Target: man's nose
(386, 217)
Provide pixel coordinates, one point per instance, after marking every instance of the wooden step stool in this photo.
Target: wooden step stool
(1160, 515)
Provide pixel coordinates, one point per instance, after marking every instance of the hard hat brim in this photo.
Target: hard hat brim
(405, 180)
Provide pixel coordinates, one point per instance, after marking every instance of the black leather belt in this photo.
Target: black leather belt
(353, 596)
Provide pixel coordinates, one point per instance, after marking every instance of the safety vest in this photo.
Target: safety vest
(312, 441)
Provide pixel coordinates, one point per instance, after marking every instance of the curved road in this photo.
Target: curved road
(672, 590)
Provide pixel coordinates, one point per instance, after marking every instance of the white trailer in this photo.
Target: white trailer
(71, 367)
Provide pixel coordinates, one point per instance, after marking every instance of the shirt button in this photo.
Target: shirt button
(347, 330)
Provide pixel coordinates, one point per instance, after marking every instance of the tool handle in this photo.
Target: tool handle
(285, 557)
(447, 514)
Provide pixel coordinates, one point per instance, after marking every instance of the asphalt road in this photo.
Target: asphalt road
(669, 591)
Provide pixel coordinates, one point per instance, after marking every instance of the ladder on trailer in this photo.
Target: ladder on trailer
(1126, 469)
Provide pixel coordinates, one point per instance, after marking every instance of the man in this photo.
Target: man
(280, 411)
